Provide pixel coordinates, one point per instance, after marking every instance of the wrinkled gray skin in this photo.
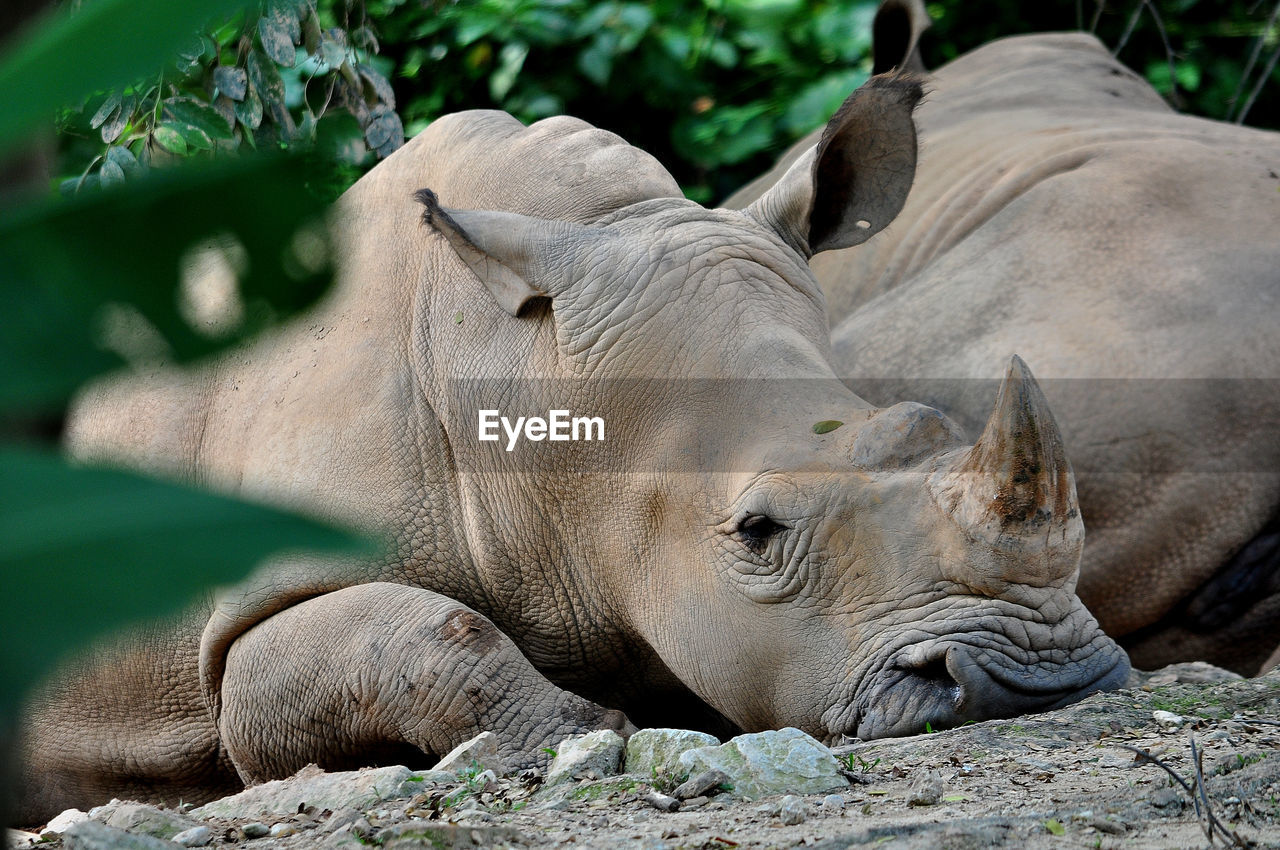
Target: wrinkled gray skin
(1061, 210)
(714, 560)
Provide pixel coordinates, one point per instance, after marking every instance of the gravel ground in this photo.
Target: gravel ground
(1063, 779)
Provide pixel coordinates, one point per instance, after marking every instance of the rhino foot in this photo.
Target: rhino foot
(382, 673)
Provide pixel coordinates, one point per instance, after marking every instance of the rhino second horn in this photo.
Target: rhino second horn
(1015, 482)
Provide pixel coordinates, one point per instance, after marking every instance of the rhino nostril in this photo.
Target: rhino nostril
(935, 674)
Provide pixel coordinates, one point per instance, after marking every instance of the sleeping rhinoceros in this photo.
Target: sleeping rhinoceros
(714, 558)
(1132, 255)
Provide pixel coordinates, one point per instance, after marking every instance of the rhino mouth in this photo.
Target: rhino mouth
(945, 682)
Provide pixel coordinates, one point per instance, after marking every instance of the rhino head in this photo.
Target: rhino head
(866, 577)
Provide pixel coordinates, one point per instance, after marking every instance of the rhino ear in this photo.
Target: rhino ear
(855, 180)
(895, 36)
(516, 257)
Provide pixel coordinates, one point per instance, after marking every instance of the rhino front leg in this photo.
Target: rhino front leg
(386, 674)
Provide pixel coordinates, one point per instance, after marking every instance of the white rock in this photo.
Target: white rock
(197, 836)
(91, 835)
(832, 804)
(775, 762)
(1167, 719)
(480, 753)
(17, 839)
(59, 824)
(652, 751)
(311, 786)
(576, 757)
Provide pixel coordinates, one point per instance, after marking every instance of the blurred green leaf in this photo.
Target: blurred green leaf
(103, 547)
(231, 81)
(168, 137)
(202, 116)
(128, 249)
(38, 74)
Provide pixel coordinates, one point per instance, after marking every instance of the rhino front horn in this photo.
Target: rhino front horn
(1015, 483)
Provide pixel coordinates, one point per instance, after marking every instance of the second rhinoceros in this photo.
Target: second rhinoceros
(750, 544)
(1063, 211)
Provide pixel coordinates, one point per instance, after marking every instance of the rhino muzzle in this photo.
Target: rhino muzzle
(953, 680)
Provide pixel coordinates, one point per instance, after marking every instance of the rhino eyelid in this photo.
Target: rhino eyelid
(758, 528)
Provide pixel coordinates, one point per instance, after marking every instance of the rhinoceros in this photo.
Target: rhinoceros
(711, 556)
(1063, 211)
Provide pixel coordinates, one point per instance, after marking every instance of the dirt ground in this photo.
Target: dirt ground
(1064, 779)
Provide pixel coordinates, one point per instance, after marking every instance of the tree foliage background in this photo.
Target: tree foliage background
(715, 89)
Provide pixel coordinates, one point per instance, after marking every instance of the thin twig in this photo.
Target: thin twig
(1168, 52)
(1196, 762)
(1213, 821)
(1253, 59)
(1128, 29)
(1257, 89)
(1098, 6)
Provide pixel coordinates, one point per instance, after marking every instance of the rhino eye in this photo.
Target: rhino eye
(756, 530)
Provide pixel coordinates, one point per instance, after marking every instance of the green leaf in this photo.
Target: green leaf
(381, 87)
(197, 114)
(276, 30)
(597, 63)
(231, 81)
(249, 111)
(109, 107)
(1054, 827)
(826, 426)
(123, 159)
(110, 174)
(38, 75)
(168, 137)
(510, 61)
(106, 547)
(269, 87)
(114, 126)
(196, 139)
(129, 246)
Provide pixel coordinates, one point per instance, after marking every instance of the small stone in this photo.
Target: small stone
(926, 790)
(255, 830)
(340, 818)
(480, 752)
(660, 801)
(599, 751)
(703, 785)
(197, 836)
(280, 830)
(792, 810)
(1167, 719)
(694, 802)
(833, 804)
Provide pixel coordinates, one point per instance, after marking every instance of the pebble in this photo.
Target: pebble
(255, 830)
(197, 836)
(1167, 719)
(792, 810)
(280, 830)
(702, 785)
(926, 791)
(660, 801)
(833, 804)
